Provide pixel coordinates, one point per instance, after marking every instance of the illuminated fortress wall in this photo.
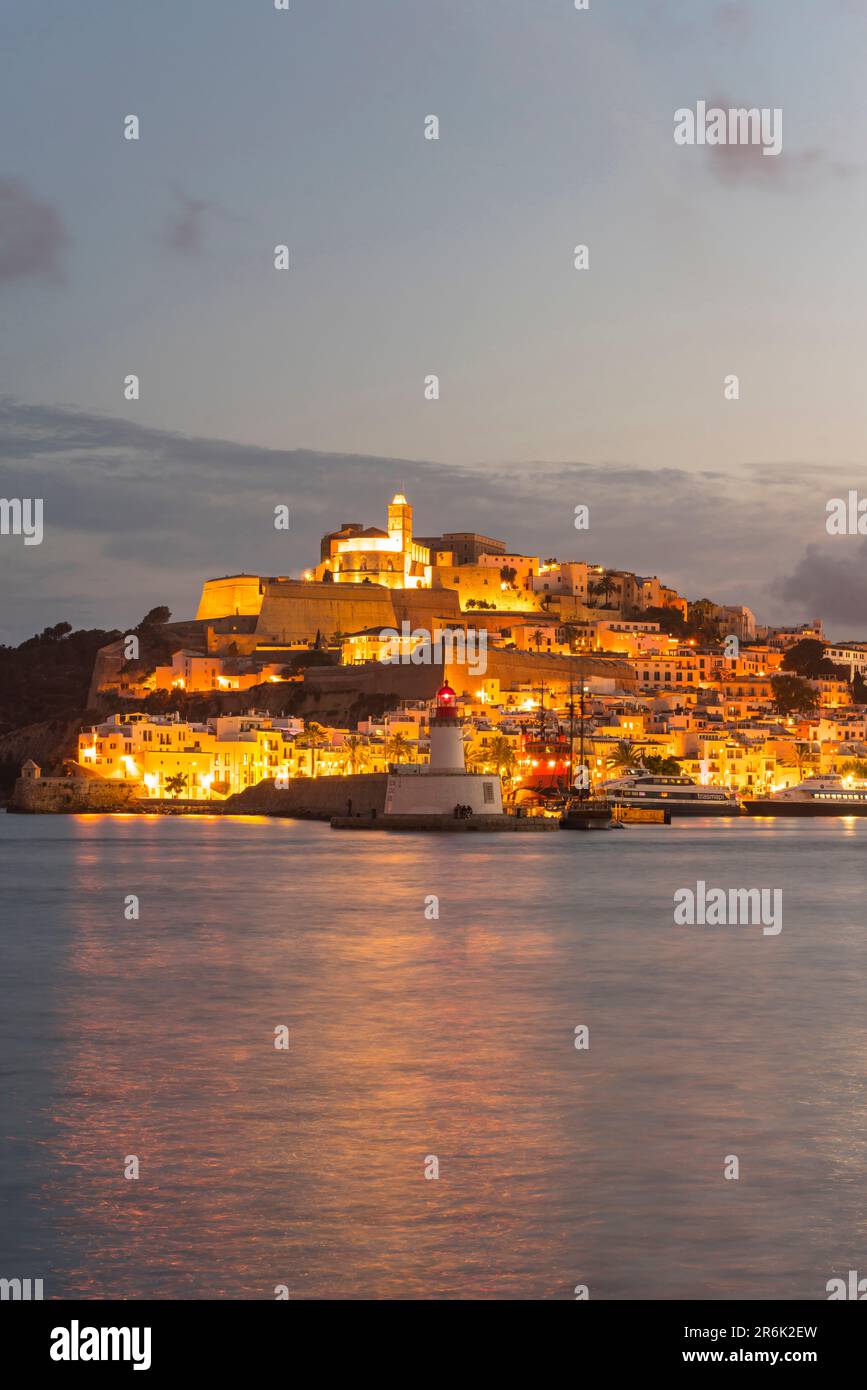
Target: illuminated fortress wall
(295, 610)
(236, 595)
(513, 669)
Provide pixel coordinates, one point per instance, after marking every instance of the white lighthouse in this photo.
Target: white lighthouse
(446, 734)
(444, 784)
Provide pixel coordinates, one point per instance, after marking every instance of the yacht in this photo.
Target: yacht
(680, 795)
(817, 795)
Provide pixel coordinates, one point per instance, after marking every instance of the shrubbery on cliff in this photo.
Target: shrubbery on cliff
(47, 677)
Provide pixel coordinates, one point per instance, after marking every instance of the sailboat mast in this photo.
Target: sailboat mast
(572, 724)
(584, 789)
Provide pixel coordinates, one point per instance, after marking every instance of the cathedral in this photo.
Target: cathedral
(356, 553)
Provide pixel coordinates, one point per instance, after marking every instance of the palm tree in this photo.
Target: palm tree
(176, 784)
(624, 754)
(501, 756)
(314, 737)
(356, 753)
(476, 759)
(605, 588)
(396, 745)
(537, 638)
(804, 757)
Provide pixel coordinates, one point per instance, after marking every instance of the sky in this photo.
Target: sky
(409, 257)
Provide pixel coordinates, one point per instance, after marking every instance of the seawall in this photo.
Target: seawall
(314, 798)
(74, 795)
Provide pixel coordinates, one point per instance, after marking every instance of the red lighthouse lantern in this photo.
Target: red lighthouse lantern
(446, 703)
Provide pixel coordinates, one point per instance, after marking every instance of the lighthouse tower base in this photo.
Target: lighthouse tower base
(418, 791)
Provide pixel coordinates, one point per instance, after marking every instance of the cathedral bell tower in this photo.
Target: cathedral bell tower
(400, 522)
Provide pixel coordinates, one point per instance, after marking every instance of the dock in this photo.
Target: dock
(641, 815)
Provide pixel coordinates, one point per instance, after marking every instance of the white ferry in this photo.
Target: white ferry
(680, 795)
(826, 795)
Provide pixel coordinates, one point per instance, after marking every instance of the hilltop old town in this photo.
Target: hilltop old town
(361, 642)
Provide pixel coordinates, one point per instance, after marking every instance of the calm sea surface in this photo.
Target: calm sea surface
(411, 1037)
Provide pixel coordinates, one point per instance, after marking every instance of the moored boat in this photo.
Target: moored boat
(587, 814)
(817, 795)
(680, 795)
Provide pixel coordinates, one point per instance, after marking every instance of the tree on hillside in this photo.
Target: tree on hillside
(807, 658)
(792, 694)
(47, 676)
(156, 617)
(606, 588)
(670, 620)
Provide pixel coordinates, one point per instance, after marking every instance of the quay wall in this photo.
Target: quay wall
(314, 798)
(73, 795)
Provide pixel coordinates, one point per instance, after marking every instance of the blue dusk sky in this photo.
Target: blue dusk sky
(411, 257)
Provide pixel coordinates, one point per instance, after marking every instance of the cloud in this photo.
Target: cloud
(32, 234)
(733, 20)
(788, 172)
(185, 227)
(831, 582)
(137, 515)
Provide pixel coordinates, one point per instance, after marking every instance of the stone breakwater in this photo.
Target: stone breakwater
(304, 798)
(356, 802)
(74, 796)
(312, 798)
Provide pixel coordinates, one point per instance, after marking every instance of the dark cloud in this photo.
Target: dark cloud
(830, 581)
(789, 171)
(32, 234)
(733, 20)
(185, 228)
(136, 515)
